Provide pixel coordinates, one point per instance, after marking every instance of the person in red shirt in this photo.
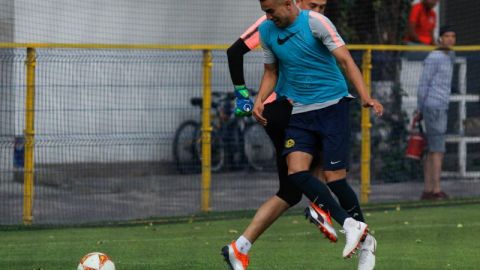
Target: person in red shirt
(421, 23)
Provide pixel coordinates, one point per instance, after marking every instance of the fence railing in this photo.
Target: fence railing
(368, 65)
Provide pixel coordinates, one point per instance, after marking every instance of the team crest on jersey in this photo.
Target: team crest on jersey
(289, 143)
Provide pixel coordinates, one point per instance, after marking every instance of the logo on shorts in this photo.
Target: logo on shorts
(289, 143)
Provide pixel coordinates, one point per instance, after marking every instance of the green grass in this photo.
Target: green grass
(441, 237)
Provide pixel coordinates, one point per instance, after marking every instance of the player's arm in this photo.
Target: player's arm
(248, 41)
(345, 60)
(269, 80)
(235, 55)
(323, 29)
(267, 85)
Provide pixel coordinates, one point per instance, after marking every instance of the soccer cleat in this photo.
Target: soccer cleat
(367, 253)
(322, 220)
(234, 258)
(355, 231)
(243, 103)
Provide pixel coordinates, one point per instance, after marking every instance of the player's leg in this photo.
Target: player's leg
(334, 129)
(337, 183)
(235, 253)
(265, 216)
(320, 195)
(336, 149)
(300, 145)
(335, 145)
(349, 201)
(277, 114)
(287, 190)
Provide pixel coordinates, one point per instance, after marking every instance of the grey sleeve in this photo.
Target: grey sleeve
(323, 29)
(429, 69)
(268, 55)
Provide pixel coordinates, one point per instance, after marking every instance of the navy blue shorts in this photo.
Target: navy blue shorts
(327, 129)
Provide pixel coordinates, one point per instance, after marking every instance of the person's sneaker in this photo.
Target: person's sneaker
(355, 231)
(322, 220)
(427, 196)
(440, 196)
(367, 253)
(234, 258)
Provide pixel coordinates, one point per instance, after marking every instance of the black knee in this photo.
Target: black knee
(299, 179)
(291, 196)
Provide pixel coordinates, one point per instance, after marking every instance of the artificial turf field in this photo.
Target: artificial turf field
(427, 237)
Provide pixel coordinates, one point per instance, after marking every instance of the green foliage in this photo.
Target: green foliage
(371, 22)
(394, 166)
(397, 168)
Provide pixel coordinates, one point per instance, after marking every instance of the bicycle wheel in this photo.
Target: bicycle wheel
(217, 151)
(184, 147)
(258, 148)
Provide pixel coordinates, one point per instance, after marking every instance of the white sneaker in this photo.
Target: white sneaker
(355, 231)
(367, 253)
(234, 258)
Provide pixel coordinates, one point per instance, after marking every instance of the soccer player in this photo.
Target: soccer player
(304, 46)
(288, 195)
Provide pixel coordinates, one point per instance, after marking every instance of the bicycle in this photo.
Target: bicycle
(233, 140)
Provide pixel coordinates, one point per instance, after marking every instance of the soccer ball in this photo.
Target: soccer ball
(96, 261)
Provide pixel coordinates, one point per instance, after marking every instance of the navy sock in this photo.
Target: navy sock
(347, 198)
(318, 193)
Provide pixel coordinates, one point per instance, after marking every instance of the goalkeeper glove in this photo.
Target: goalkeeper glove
(243, 103)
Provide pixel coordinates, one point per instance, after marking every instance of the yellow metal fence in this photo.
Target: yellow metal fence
(206, 128)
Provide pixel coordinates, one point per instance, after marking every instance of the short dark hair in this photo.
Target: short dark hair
(444, 29)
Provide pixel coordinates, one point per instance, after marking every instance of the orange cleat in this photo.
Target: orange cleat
(322, 220)
(234, 258)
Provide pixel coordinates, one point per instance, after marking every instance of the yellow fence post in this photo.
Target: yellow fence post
(29, 133)
(366, 125)
(206, 131)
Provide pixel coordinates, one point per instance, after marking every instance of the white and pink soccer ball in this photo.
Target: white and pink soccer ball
(96, 261)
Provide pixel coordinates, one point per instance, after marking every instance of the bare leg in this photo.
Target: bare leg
(268, 212)
(298, 162)
(319, 173)
(331, 176)
(427, 174)
(436, 159)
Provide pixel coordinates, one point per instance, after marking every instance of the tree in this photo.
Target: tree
(370, 21)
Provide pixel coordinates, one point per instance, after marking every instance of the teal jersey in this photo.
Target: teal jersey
(309, 72)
